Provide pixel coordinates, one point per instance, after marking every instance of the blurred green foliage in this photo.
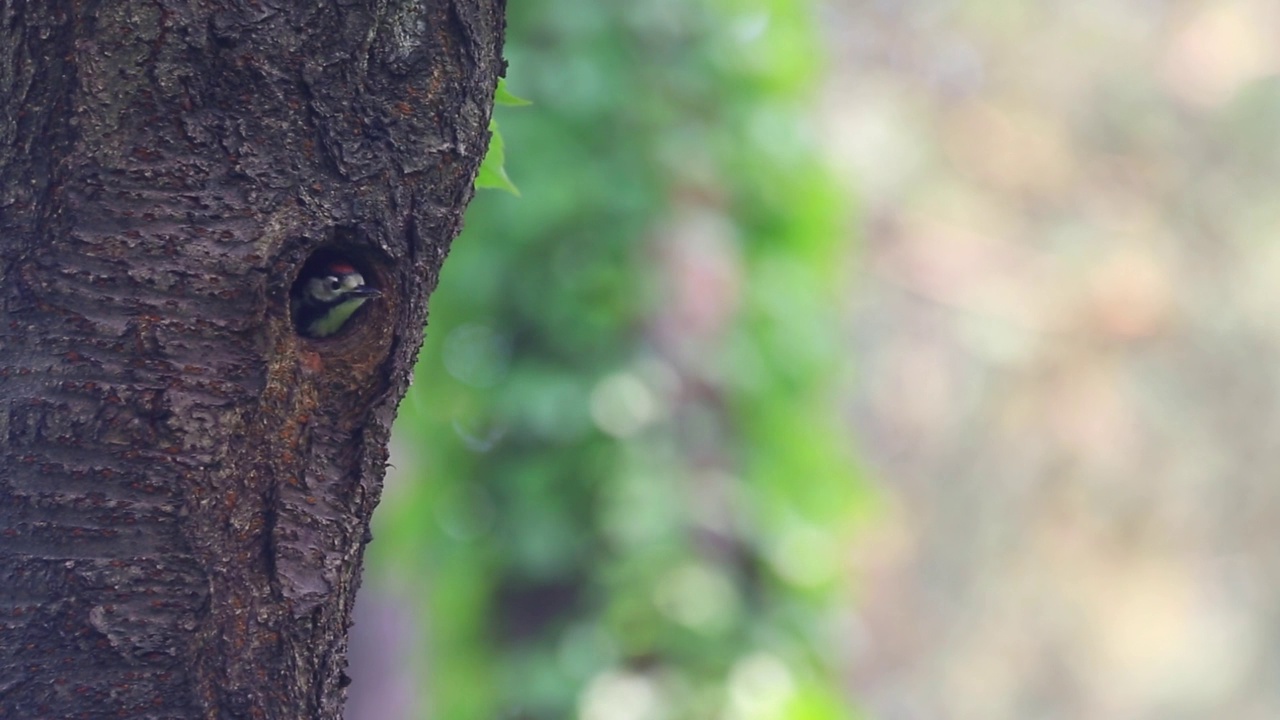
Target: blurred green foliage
(630, 493)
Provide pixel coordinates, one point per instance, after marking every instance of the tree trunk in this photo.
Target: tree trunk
(185, 482)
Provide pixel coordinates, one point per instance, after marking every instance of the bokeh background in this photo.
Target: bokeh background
(851, 359)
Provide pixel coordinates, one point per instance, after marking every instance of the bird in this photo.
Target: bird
(324, 300)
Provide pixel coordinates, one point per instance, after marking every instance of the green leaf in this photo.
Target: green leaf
(503, 96)
(493, 172)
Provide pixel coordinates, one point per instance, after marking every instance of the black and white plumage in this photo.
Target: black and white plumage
(324, 302)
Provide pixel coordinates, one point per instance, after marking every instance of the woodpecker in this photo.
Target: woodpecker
(323, 302)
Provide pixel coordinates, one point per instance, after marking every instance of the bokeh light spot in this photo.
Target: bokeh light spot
(699, 598)
(622, 405)
(476, 355)
(621, 696)
(759, 687)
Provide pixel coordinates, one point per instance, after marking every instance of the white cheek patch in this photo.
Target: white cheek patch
(320, 290)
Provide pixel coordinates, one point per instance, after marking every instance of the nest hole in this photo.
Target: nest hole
(340, 257)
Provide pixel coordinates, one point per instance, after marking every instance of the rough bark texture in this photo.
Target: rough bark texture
(185, 483)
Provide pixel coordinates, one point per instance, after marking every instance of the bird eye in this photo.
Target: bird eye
(334, 283)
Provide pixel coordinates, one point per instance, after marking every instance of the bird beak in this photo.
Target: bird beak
(365, 292)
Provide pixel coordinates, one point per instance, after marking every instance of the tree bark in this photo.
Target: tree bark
(185, 482)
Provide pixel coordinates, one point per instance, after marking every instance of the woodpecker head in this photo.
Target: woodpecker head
(325, 300)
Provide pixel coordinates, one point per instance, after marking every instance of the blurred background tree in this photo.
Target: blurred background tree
(623, 489)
